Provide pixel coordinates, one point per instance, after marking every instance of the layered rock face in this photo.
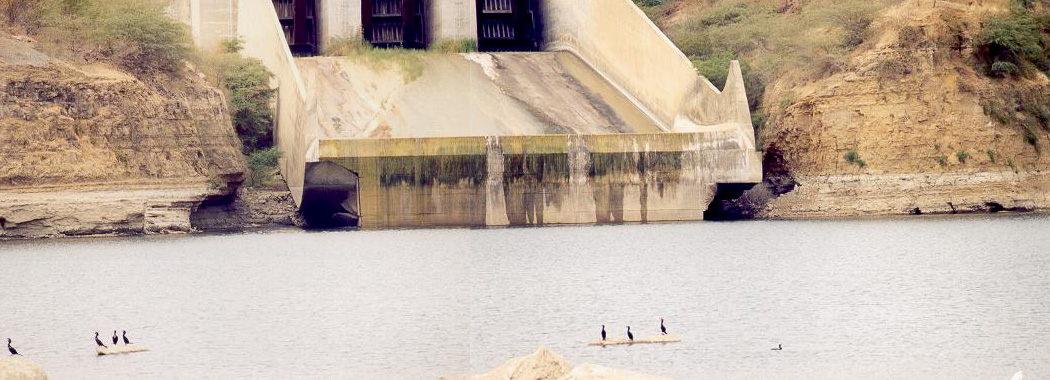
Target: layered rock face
(904, 127)
(89, 149)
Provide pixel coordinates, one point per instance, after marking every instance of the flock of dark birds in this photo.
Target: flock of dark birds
(663, 331)
(123, 334)
(116, 340)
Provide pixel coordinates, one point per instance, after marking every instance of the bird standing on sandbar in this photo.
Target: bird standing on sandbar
(11, 349)
(115, 339)
(99, 342)
(124, 334)
(663, 329)
(629, 335)
(603, 332)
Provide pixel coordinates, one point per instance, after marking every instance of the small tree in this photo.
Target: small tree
(261, 165)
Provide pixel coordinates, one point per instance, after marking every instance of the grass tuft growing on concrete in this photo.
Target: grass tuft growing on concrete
(409, 61)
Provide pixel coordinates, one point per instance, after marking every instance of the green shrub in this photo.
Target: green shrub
(758, 119)
(991, 156)
(962, 156)
(1003, 69)
(998, 110)
(246, 82)
(855, 20)
(141, 36)
(1039, 111)
(1011, 42)
(232, 45)
(1031, 137)
(851, 156)
(135, 34)
(854, 158)
(942, 161)
(1010, 163)
(261, 165)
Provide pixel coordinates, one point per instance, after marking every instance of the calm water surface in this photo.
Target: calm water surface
(924, 298)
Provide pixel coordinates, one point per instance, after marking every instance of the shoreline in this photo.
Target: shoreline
(291, 228)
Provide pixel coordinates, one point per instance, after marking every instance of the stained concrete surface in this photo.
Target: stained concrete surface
(467, 95)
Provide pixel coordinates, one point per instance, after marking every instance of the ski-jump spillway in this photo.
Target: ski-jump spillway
(610, 123)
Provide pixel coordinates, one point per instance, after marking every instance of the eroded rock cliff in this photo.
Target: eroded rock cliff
(908, 125)
(88, 149)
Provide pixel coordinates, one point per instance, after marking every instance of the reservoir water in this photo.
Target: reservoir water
(924, 298)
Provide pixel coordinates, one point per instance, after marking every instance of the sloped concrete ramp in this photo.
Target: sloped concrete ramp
(476, 94)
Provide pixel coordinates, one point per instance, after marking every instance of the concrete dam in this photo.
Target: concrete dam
(570, 111)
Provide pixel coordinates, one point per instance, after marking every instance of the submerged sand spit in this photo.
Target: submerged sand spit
(17, 367)
(546, 365)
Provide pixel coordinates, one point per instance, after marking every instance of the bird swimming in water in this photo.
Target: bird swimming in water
(11, 349)
(124, 334)
(115, 339)
(603, 332)
(662, 328)
(629, 335)
(99, 342)
(778, 348)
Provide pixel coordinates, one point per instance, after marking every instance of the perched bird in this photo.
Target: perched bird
(603, 332)
(9, 348)
(662, 328)
(629, 335)
(115, 339)
(778, 348)
(124, 334)
(99, 342)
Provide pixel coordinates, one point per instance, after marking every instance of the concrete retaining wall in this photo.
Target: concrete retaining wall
(538, 180)
(295, 131)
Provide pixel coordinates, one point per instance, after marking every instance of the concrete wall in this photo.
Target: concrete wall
(536, 180)
(210, 21)
(448, 20)
(295, 131)
(338, 19)
(619, 41)
(451, 20)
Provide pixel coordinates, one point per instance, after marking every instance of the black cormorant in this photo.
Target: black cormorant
(662, 328)
(629, 335)
(778, 348)
(124, 334)
(115, 339)
(9, 348)
(99, 342)
(603, 332)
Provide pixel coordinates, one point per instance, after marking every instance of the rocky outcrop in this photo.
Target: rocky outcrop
(88, 149)
(546, 365)
(906, 126)
(17, 367)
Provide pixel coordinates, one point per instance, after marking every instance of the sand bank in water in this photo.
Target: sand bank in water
(546, 365)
